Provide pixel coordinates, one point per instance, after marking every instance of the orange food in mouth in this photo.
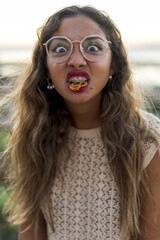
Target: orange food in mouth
(77, 85)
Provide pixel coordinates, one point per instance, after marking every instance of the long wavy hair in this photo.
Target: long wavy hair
(40, 122)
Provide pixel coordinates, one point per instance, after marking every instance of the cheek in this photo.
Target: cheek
(102, 71)
(56, 72)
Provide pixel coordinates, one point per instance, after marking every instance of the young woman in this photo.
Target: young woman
(85, 160)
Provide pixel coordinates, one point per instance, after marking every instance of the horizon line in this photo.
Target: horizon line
(126, 44)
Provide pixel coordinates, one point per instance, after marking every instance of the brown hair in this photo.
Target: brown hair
(41, 120)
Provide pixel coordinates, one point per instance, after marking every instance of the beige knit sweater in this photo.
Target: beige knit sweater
(85, 198)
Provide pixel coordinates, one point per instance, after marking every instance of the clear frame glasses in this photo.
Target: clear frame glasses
(93, 48)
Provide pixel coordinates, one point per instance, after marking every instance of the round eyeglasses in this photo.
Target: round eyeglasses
(93, 48)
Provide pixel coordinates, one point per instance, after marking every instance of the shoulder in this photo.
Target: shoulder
(152, 122)
(151, 212)
(150, 223)
(150, 145)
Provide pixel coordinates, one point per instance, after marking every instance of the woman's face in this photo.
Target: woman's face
(77, 68)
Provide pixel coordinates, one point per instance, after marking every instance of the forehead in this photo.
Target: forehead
(77, 27)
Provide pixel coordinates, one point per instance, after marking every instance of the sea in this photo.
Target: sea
(144, 61)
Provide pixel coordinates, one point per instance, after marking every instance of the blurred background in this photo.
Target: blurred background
(138, 22)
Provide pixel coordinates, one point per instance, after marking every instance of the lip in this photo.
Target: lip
(77, 74)
(81, 73)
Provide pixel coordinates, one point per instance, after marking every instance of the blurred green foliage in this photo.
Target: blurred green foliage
(7, 232)
(3, 138)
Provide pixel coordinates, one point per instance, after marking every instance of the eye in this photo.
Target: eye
(59, 49)
(93, 48)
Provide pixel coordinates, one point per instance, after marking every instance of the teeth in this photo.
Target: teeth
(77, 79)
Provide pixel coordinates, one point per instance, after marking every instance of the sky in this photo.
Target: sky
(138, 20)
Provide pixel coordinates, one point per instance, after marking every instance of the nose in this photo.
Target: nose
(77, 60)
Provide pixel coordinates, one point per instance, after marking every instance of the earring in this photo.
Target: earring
(50, 84)
(110, 77)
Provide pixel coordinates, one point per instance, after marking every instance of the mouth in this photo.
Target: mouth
(77, 81)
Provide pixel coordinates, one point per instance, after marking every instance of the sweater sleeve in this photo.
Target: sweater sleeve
(151, 146)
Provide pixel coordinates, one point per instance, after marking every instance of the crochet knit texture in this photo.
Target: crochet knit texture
(85, 198)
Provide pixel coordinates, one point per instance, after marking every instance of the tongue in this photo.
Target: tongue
(77, 86)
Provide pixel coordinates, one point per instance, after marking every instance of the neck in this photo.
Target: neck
(85, 116)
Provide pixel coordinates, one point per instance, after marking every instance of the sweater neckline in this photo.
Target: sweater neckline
(85, 133)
